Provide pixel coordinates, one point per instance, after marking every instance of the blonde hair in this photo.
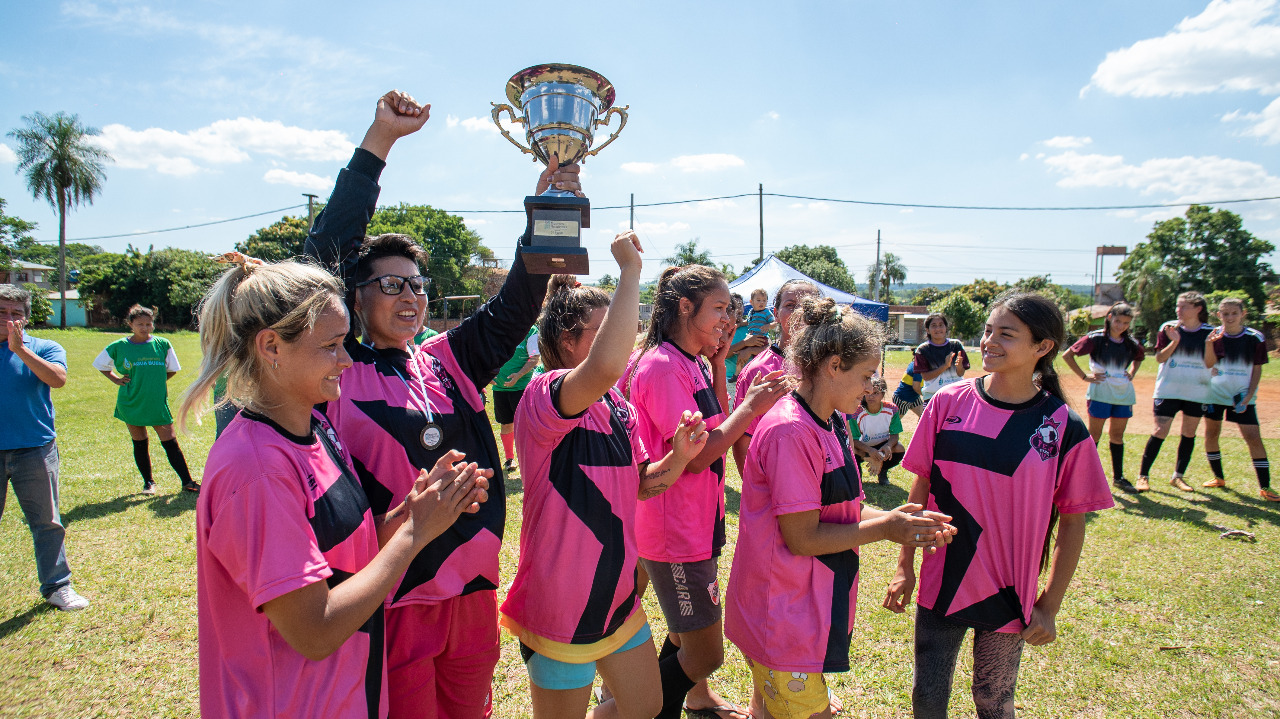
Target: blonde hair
(287, 297)
(831, 331)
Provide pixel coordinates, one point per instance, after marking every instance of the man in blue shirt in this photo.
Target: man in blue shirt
(29, 367)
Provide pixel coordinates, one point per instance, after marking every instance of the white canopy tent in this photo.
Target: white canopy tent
(772, 273)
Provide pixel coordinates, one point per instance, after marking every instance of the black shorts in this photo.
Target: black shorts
(504, 405)
(1216, 411)
(1171, 407)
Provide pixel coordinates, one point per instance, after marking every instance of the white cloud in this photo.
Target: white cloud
(711, 162)
(1065, 142)
(451, 121)
(7, 155)
(1023, 156)
(485, 124)
(1231, 45)
(1265, 124)
(639, 168)
(224, 142)
(304, 180)
(772, 115)
(1186, 179)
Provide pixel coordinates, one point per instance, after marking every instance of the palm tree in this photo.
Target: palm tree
(64, 168)
(881, 275)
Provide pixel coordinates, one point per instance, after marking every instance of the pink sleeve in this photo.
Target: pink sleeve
(633, 431)
(261, 536)
(1082, 486)
(919, 456)
(793, 462)
(664, 399)
(545, 425)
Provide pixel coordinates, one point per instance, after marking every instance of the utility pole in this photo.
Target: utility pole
(875, 280)
(761, 223)
(632, 225)
(311, 210)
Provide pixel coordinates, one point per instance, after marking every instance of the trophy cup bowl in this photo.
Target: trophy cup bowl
(560, 107)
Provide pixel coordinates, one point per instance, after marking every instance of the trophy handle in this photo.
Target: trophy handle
(605, 121)
(498, 110)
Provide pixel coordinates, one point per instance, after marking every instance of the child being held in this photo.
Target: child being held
(758, 320)
(874, 430)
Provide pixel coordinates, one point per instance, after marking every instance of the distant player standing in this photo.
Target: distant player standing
(1236, 354)
(508, 388)
(940, 360)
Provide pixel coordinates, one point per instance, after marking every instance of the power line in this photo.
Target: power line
(184, 227)
(1080, 208)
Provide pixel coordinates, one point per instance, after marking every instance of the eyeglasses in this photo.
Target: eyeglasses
(394, 284)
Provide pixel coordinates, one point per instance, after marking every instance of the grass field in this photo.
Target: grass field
(1164, 619)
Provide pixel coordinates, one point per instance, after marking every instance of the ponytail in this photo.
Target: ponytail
(287, 297)
(565, 312)
(691, 282)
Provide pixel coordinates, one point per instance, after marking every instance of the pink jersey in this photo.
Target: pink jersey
(998, 469)
(382, 416)
(771, 360)
(576, 580)
(278, 512)
(786, 612)
(685, 523)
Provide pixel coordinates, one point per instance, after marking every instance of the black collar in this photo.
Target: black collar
(825, 425)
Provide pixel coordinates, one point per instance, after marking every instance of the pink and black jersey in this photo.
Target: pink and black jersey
(685, 523)
(1184, 375)
(278, 512)
(787, 612)
(392, 403)
(1111, 357)
(575, 583)
(998, 469)
(762, 364)
(1233, 373)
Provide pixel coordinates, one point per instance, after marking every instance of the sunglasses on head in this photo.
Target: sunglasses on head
(394, 284)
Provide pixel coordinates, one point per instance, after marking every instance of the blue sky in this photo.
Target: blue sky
(221, 109)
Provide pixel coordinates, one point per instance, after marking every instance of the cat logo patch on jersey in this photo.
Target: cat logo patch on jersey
(1045, 439)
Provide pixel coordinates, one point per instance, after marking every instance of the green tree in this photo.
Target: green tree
(965, 316)
(1078, 321)
(607, 283)
(64, 168)
(171, 280)
(980, 291)
(882, 275)
(1215, 298)
(821, 262)
(280, 240)
(13, 230)
(41, 307)
(1043, 284)
(1207, 250)
(1151, 286)
(688, 253)
(928, 295)
(455, 250)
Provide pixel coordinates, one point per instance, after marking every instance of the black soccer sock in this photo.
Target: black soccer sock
(176, 460)
(668, 648)
(1150, 453)
(1215, 463)
(142, 457)
(1186, 446)
(1263, 468)
(1117, 460)
(675, 687)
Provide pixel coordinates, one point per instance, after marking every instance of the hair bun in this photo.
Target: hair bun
(561, 283)
(820, 311)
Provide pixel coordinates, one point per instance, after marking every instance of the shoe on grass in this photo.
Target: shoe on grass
(66, 599)
(1142, 485)
(883, 478)
(509, 466)
(1180, 484)
(191, 487)
(1269, 495)
(148, 487)
(1215, 482)
(1124, 485)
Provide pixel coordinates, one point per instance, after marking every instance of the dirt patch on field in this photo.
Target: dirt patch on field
(1142, 423)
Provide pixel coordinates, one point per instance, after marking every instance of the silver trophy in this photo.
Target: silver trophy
(560, 106)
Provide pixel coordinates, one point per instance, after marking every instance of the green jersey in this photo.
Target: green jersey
(144, 400)
(527, 349)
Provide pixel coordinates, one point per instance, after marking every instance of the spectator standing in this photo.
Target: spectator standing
(508, 389)
(29, 368)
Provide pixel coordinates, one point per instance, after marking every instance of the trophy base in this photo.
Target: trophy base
(556, 260)
(554, 233)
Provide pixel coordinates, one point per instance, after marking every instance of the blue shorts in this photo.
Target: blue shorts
(1102, 410)
(556, 675)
